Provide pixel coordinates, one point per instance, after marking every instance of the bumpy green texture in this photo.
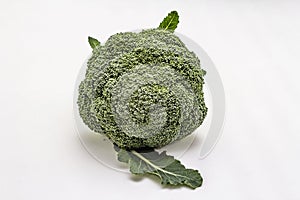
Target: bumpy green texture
(142, 89)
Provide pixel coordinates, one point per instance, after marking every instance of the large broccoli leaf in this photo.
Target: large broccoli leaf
(168, 169)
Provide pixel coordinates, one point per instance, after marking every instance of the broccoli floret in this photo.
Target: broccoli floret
(143, 89)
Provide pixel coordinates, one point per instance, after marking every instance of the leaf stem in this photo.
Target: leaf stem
(154, 166)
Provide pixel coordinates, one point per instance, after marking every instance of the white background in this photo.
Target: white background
(254, 44)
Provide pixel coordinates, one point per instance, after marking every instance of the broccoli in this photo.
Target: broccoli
(167, 78)
(143, 89)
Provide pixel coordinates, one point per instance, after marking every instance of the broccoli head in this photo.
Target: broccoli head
(142, 89)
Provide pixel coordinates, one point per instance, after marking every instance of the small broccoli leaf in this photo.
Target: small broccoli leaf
(170, 22)
(93, 42)
(168, 169)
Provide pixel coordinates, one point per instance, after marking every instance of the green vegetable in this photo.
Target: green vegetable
(170, 22)
(115, 76)
(168, 169)
(144, 90)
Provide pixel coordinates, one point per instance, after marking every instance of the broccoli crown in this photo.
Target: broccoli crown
(142, 89)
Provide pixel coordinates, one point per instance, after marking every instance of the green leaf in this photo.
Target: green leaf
(168, 169)
(170, 22)
(93, 42)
